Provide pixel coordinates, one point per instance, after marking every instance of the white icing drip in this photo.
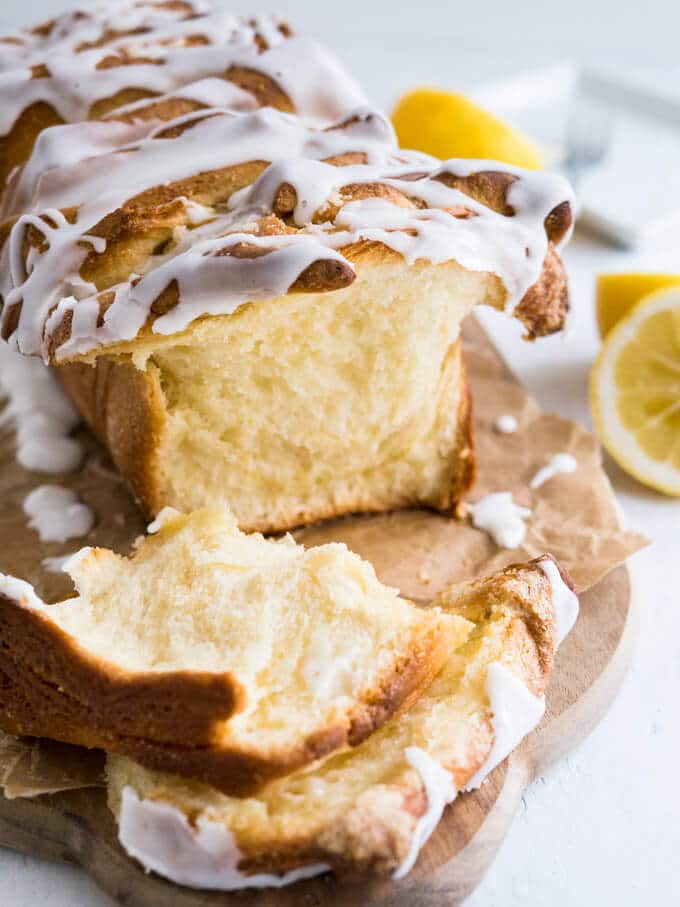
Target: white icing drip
(57, 514)
(565, 602)
(506, 424)
(48, 286)
(313, 80)
(440, 790)
(43, 415)
(559, 464)
(516, 712)
(202, 855)
(498, 515)
(78, 164)
(21, 591)
(56, 564)
(162, 517)
(74, 560)
(96, 167)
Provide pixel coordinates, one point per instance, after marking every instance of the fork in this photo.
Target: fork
(588, 138)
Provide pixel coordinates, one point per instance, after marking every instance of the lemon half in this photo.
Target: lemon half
(635, 391)
(446, 124)
(617, 294)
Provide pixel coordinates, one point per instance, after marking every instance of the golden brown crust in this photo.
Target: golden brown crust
(525, 589)
(463, 458)
(125, 409)
(490, 187)
(544, 307)
(559, 222)
(16, 146)
(70, 685)
(263, 88)
(144, 225)
(170, 721)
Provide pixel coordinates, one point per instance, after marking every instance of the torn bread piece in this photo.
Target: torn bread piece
(214, 654)
(368, 810)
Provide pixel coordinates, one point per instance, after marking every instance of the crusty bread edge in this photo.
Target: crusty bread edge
(53, 687)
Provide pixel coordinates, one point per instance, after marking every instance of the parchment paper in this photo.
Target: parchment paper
(575, 517)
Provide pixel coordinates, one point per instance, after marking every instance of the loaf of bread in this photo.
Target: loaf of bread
(368, 810)
(214, 654)
(256, 307)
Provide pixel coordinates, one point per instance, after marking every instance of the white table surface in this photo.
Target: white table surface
(601, 828)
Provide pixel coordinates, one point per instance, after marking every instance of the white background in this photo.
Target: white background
(602, 828)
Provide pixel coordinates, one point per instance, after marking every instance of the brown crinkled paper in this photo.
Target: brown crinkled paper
(32, 767)
(575, 517)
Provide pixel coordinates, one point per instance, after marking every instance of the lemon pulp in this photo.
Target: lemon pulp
(635, 391)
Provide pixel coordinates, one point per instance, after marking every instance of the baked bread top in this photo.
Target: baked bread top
(369, 810)
(216, 654)
(137, 231)
(107, 59)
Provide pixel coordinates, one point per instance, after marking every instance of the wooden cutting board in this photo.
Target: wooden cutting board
(76, 826)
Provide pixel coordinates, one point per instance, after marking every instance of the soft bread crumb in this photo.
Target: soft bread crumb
(304, 407)
(317, 651)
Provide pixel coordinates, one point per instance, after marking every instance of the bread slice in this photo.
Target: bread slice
(216, 655)
(368, 810)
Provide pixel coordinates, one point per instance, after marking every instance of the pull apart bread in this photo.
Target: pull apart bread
(261, 308)
(367, 810)
(216, 655)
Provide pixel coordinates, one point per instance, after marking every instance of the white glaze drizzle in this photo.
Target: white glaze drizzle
(498, 515)
(202, 855)
(165, 515)
(42, 414)
(74, 560)
(56, 564)
(57, 514)
(516, 712)
(565, 601)
(559, 464)
(164, 60)
(440, 791)
(211, 282)
(20, 591)
(506, 424)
